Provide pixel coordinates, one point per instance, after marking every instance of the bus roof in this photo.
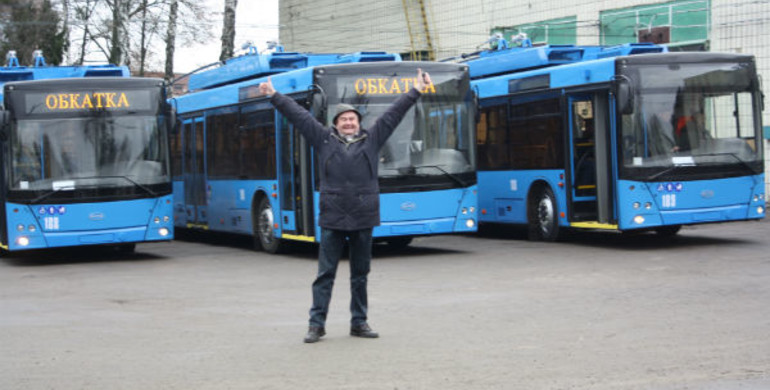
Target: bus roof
(52, 84)
(591, 71)
(254, 65)
(518, 59)
(286, 82)
(27, 73)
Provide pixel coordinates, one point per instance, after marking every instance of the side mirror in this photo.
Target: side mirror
(5, 120)
(476, 107)
(171, 117)
(317, 102)
(625, 97)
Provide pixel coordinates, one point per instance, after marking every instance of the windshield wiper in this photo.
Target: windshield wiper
(661, 173)
(741, 162)
(444, 171)
(44, 196)
(48, 194)
(128, 179)
(671, 168)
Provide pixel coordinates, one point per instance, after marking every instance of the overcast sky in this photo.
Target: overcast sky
(256, 21)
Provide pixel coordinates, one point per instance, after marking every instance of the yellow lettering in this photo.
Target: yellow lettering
(98, 96)
(371, 86)
(95, 100)
(123, 101)
(110, 99)
(74, 101)
(86, 103)
(407, 83)
(381, 89)
(63, 104)
(360, 86)
(51, 102)
(394, 87)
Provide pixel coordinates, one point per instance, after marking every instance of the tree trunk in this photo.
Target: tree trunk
(66, 28)
(228, 30)
(120, 47)
(125, 39)
(83, 13)
(143, 41)
(171, 40)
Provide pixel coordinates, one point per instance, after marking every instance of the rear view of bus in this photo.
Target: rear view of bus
(690, 142)
(86, 163)
(427, 167)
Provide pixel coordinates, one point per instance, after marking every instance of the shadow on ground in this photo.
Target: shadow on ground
(297, 249)
(688, 236)
(77, 255)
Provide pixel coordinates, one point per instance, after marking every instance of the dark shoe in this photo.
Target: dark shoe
(364, 331)
(314, 333)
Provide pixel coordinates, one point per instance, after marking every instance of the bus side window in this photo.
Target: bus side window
(493, 138)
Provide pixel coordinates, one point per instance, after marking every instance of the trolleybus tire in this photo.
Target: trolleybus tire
(398, 242)
(263, 236)
(542, 221)
(668, 231)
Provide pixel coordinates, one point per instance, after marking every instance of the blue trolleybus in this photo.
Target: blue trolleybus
(240, 167)
(85, 159)
(628, 138)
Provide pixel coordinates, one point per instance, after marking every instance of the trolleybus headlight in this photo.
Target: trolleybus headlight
(648, 205)
(760, 210)
(637, 205)
(165, 218)
(465, 211)
(756, 198)
(163, 232)
(157, 220)
(20, 227)
(639, 219)
(22, 241)
(472, 209)
(470, 223)
(31, 228)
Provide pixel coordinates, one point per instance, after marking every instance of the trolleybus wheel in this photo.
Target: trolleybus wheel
(264, 228)
(123, 248)
(127, 248)
(543, 224)
(398, 242)
(668, 231)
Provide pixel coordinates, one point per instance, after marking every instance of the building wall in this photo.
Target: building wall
(743, 27)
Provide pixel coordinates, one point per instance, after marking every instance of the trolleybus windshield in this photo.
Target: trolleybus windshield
(691, 120)
(433, 144)
(87, 143)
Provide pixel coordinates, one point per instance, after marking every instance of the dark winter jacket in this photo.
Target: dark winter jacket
(350, 193)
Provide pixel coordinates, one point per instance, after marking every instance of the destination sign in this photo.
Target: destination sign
(78, 101)
(388, 85)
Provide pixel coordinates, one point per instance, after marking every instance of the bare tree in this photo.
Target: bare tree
(228, 30)
(66, 26)
(104, 29)
(119, 39)
(171, 39)
(150, 24)
(83, 11)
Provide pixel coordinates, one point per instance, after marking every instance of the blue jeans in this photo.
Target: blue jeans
(332, 244)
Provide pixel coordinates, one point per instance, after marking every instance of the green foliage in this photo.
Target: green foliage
(26, 26)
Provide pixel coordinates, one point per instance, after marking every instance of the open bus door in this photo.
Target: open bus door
(296, 184)
(590, 162)
(194, 172)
